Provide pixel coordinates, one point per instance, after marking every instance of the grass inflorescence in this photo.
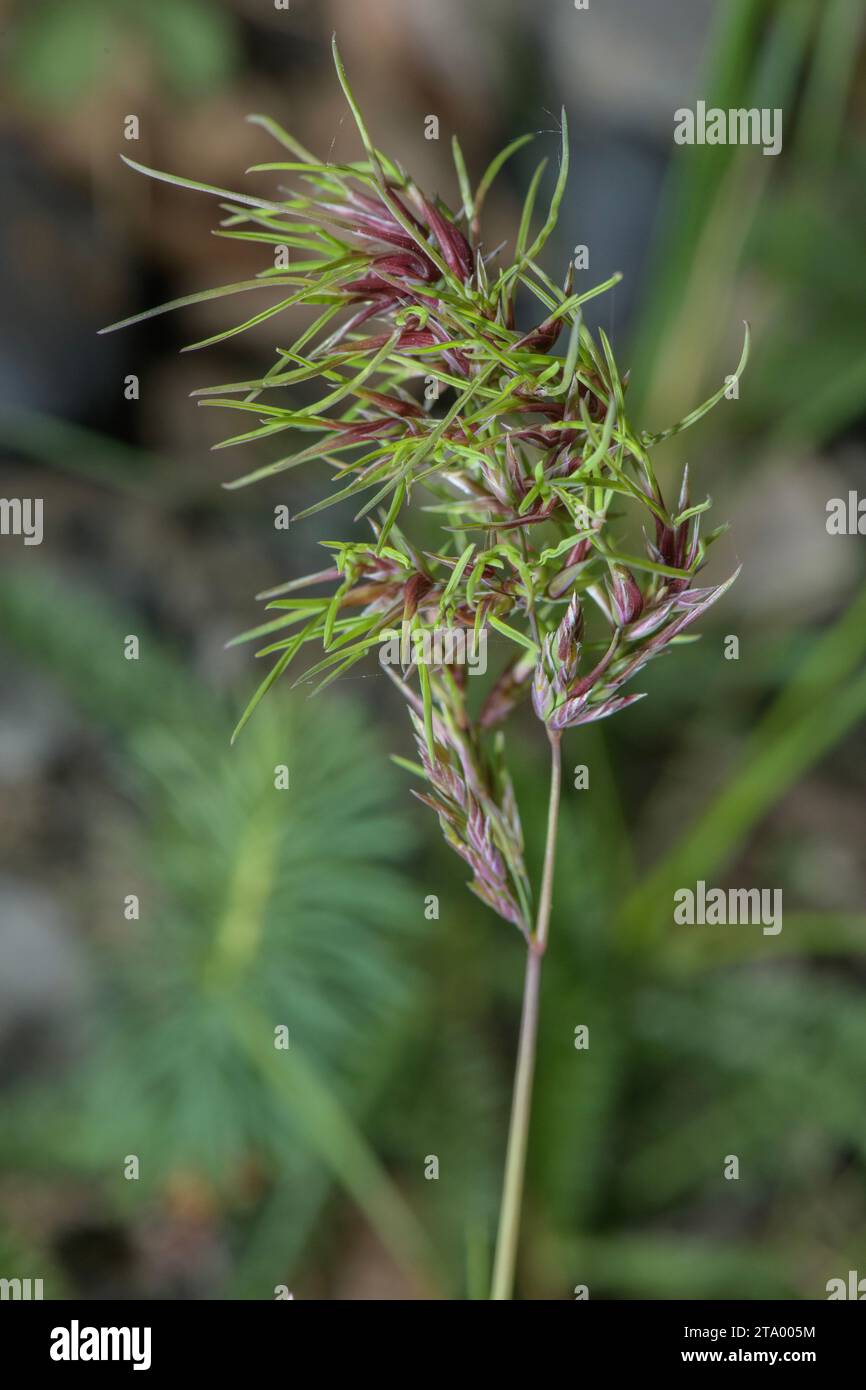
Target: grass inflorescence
(517, 442)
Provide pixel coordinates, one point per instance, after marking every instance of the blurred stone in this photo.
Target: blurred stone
(792, 567)
(42, 982)
(366, 1272)
(60, 273)
(630, 63)
(34, 727)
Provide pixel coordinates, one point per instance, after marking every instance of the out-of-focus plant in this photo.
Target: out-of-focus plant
(727, 216)
(258, 910)
(59, 49)
(527, 465)
(626, 1186)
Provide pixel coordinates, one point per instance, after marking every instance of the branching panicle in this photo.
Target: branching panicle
(425, 382)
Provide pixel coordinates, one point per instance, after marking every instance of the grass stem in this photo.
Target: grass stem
(521, 1103)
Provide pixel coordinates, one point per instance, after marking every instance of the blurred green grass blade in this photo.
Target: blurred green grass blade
(827, 406)
(822, 703)
(712, 192)
(333, 1132)
(828, 88)
(769, 771)
(85, 453)
(647, 1266)
(804, 936)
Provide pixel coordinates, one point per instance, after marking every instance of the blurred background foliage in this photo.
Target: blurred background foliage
(305, 908)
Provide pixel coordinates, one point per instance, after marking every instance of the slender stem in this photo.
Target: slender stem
(521, 1103)
(545, 902)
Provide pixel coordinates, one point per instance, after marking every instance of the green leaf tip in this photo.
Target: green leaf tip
(356, 111)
